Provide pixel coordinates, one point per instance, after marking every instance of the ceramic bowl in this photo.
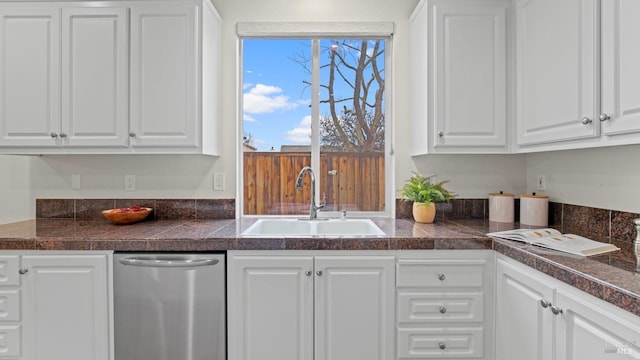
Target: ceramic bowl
(120, 217)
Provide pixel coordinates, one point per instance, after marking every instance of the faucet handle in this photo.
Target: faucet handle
(324, 200)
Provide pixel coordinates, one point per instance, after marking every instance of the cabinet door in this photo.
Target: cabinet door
(620, 66)
(270, 307)
(354, 316)
(588, 329)
(557, 70)
(164, 69)
(30, 76)
(470, 104)
(95, 79)
(524, 329)
(66, 307)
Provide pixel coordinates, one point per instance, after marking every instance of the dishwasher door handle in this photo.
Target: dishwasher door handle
(167, 262)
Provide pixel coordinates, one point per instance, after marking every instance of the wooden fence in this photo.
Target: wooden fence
(269, 182)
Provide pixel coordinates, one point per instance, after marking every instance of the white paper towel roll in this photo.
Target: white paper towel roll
(534, 209)
(501, 207)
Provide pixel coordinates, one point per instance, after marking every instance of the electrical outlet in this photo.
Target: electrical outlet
(541, 183)
(75, 182)
(218, 181)
(130, 182)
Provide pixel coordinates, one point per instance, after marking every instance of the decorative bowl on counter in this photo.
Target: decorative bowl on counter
(129, 215)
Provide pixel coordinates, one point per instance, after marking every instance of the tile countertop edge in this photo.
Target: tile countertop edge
(450, 236)
(593, 285)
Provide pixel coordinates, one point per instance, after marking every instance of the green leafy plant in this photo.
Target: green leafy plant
(424, 189)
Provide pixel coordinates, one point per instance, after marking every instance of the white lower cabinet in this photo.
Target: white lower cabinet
(445, 305)
(58, 306)
(293, 306)
(538, 317)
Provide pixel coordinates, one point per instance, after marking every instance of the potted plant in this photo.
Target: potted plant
(425, 192)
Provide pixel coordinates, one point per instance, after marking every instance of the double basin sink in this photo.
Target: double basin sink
(314, 228)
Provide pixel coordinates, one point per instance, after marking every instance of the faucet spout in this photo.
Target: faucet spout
(313, 208)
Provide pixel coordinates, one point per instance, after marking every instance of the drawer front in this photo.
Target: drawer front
(440, 273)
(440, 343)
(420, 307)
(9, 266)
(10, 341)
(9, 305)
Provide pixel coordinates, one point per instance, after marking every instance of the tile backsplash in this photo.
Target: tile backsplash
(610, 226)
(598, 224)
(163, 209)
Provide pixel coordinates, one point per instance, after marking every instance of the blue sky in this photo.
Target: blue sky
(276, 102)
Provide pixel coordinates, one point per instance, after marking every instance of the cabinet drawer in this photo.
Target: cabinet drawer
(440, 342)
(10, 341)
(9, 266)
(10, 305)
(419, 307)
(440, 273)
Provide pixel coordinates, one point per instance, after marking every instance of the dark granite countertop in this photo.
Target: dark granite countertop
(611, 277)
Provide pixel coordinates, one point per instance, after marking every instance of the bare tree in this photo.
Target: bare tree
(356, 119)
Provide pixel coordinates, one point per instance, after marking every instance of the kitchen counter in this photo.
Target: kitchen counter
(611, 277)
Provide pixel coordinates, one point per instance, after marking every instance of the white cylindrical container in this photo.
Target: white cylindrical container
(501, 207)
(534, 209)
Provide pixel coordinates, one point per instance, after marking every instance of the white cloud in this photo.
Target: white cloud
(263, 99)
(249, 118)
(301, 134)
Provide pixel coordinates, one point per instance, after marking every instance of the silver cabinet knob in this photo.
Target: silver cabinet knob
(442, 345)
(441, 134)
(23, 271)
(545, 303)
(54, 135)
(443, 309)
(132, 134)
(319, 272)
(63, 135)
(308, 272)
(441, 277)
(604, 117)
(586, 121)
(556, 310)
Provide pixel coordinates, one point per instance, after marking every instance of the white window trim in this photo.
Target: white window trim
(322, 30)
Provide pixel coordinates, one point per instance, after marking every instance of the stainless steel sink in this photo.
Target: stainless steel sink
(314, 228)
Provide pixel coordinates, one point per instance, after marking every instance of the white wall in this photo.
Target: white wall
(16, 201)
(606, 178)
(471, 176)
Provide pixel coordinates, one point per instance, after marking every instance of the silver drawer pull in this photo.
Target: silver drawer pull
(308, 272)
(545, 303)
(442, 345)
(319, 272)
(556, 310)
(443, 309)
(23, 271)
(441, 277)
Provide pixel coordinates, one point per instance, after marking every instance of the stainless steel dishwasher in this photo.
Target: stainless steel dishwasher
(169, 306)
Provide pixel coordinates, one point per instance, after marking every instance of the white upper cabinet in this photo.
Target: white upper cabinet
(620, 68)
(30, 76)
(578, 73)
(164, 71)
(175, 75)
(95, 87)
(136, 77)
(557, 76)
(459, 59)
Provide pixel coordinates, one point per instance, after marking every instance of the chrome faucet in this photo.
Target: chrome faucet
(313, 208)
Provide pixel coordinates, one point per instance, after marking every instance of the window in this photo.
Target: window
(340, 132)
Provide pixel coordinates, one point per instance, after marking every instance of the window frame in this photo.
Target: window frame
(317, 31)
